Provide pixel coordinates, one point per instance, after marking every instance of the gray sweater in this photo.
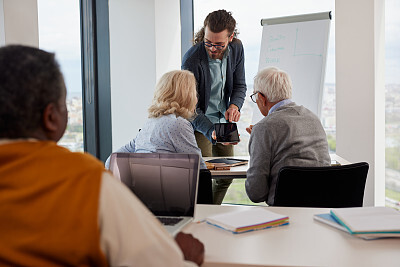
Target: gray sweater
(290, 136)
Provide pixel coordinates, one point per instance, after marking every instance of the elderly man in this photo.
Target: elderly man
(59, 208)
(288, 135)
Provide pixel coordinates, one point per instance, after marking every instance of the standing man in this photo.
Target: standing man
(217, 62)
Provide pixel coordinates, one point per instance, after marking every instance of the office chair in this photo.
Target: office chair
(323, 187)
(204, 189)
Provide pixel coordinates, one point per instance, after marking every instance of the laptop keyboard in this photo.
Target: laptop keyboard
(169, 220)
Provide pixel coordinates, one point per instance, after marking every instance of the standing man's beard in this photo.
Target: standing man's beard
(217, 54)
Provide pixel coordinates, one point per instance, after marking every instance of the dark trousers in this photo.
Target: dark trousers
(219, 186)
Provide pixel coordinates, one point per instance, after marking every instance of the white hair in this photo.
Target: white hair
(273, 83)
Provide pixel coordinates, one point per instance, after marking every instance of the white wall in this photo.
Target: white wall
(144, 44)
(2, 33)
(360, 102)
(168, 36)
(19, 23)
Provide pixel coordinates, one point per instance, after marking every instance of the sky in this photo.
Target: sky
(59, 31)
(392, 41)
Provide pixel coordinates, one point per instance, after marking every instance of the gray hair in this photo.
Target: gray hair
(273, 83)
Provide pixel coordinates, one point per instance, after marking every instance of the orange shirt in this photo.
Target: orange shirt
(49, 200)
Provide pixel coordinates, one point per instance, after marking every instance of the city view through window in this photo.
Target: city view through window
(392, 107)
(59, 32)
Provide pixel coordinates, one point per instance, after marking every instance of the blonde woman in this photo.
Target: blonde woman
(167, 130)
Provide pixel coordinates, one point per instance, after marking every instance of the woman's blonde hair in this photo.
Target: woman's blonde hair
(175, 94)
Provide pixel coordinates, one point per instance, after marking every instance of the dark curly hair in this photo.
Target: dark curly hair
(30, 79)
(217, 21)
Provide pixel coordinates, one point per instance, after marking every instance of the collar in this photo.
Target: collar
(227, 52)
(279, 104)
(10, 141)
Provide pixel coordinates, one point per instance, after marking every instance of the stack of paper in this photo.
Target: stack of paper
(249, 220)
(365, 222)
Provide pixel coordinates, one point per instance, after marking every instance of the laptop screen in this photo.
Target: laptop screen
(165, 182)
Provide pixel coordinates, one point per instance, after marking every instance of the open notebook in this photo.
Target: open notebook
(165, 182)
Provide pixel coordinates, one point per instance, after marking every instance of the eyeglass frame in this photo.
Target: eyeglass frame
(217, 47)
(253, 94)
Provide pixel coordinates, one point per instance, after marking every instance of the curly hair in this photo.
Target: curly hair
(217, 21)
(175, 94)
(30, 79)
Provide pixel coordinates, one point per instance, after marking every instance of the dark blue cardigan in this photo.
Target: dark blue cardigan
(196, 61)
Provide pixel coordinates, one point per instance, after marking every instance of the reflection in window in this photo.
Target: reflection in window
(392, 114)
(59, 32)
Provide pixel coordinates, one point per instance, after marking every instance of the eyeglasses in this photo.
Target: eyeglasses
(254, 96)
(218, 47)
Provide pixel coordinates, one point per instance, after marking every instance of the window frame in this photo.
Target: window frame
(96, 89)
(187, 26)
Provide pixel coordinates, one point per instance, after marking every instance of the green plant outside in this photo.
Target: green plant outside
(237, 194)
(331, 142)
(392, 194)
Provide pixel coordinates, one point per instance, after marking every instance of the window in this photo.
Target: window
(59, 32)
(392, 115)
(248, 19)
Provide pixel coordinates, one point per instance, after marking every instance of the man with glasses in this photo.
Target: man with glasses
(288, 135)
(217, 62)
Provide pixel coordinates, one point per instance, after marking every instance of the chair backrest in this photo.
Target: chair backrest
(204, 192)
(324, 187)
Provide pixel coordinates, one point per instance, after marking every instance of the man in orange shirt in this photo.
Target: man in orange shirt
(61, 208)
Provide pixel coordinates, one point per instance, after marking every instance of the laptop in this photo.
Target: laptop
(166, 183)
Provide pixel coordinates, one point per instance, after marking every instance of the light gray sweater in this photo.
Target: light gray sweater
(290, 136)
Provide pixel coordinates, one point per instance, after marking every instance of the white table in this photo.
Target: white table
(240, 171)
(304, 242)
